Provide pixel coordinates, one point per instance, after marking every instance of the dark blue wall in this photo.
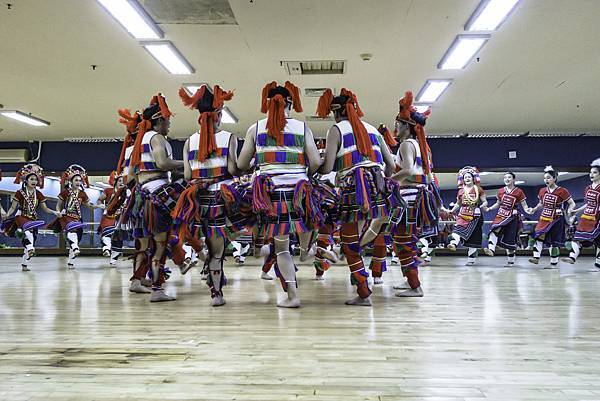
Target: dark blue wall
(450, 154)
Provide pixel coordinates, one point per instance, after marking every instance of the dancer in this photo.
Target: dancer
(359, 155)
(70, 201)
(507, 224)
(413, 186)
(209, 161)
(149, 207)
(108, 223)
(550, 229)
(284, 148)
(588, 228)
(117, 203)
(25, 203)
(470, 201)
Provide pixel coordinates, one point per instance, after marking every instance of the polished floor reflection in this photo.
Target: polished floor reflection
(484, 332)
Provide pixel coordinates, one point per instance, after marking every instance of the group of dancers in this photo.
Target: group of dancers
(277, 188)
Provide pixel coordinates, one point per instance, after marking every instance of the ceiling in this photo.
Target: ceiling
(537, 73)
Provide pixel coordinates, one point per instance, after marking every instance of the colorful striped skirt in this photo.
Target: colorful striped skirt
(363, 195)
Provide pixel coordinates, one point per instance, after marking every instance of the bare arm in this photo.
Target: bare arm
(388, 159)
(579, 209)
(408, 154)
(571, 206)
(163, 161)
(311, 151)
(13, 207)
(59, 205)
(483, 202)
(232, 158)
(187, 170)
(524, 204)
(331, 149)
(101, 198)
(46, 209)
(248, 150)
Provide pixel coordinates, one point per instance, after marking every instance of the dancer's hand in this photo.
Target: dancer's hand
(58, 214)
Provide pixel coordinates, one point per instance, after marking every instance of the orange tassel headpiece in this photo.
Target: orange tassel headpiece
(387, 136)
(158, 109)
(408, 114)
(209, 105)
(131, 122)
(274, 101)
(351, 109)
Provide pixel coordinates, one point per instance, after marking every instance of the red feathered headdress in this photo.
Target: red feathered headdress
(71, 172)
(27, 170)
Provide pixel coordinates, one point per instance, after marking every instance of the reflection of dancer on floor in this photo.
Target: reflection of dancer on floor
(588, 228)
(550, 229)
(25, 203)
(470, 201)
(507, 224)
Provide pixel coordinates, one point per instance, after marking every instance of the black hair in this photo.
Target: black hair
(206, 102)
(553, 173)
(597, 168)
(511, 173)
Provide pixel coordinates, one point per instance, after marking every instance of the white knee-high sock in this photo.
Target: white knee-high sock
(510, 255)
(537, 249)
(554, 252)
(106, 242)
(73, 240)
(576, 250)
(472, 254)
(455, 239)
(492, 241)
(29, 235)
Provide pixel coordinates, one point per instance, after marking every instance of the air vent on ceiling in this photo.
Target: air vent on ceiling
(13, 155)
(317, 118)
(195, 12)
(316, 92)
(91, 140)
(315, 67)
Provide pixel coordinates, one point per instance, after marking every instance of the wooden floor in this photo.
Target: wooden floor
(480, 333)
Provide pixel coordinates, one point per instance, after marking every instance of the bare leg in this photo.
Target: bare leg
(141, 263)
(158, 273)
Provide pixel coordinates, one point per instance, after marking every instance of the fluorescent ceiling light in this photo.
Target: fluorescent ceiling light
(24, 118)
(519, 182)
(485, 173)
(169, 57)
(192, 88)
(461, 51)
(432, 90)
(490, 14)
(227, 117)
(422, 108)
(133, 18)
(563, 172)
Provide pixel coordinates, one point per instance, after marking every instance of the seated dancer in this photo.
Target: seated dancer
(470, 201)
(108, 223)
(70, 200)
(286, 155)
(25, 202)
(507, 224)
(149, 207)
(415, 186)
(588, 228)
(209, 161)
(359, 155)
(550, 229)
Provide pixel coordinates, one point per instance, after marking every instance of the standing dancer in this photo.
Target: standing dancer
(282, 196)
(470, 201)
(108, 223)
(413, 185)
(149, 211)
(550, 229)
(507, 224)
(209, 161)
(70, 200)
(25, 202)
(358, 153)
(588, 228)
